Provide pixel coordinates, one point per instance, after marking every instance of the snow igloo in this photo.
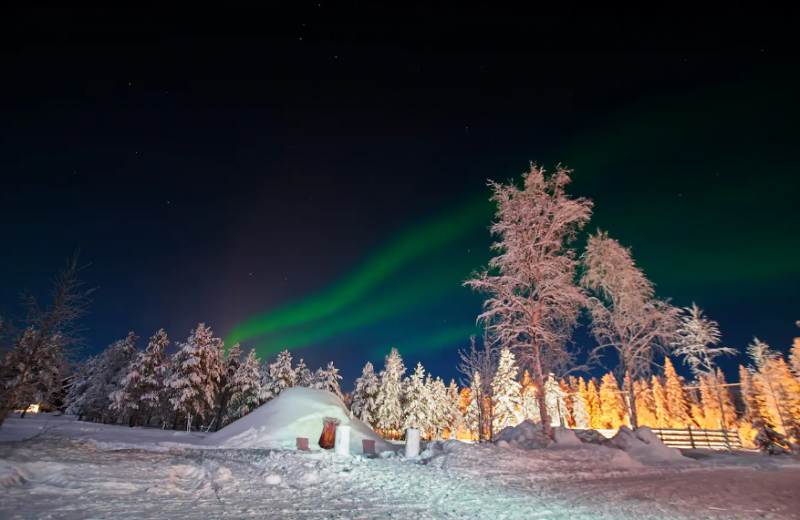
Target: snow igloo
(296, 413)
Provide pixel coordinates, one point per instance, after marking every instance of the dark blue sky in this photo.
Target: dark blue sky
(213, 164)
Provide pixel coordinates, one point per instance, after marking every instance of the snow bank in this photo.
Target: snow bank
(644, 445)
(297, 412)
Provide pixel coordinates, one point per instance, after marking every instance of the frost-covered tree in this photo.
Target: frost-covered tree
(506, 392)
(625, 313)
(142, 386)
(529, 409)
(365, 396)
(390, 395)
(328, 379)
(718, 409)
(302, 375)
(196, 373)
(245, 389)
(677, 405)
(580, 411)
(44, 376)
(56, 334)
(698, 343)
(416, 412)
(78, 387)
(479, 366)
(475, 408)
(532, 302)
(612, 408)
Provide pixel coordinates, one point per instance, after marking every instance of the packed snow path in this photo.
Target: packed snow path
(61, 478)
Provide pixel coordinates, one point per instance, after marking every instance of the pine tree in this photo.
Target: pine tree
(794, 358)
(230, 365)
(593, 405)
(766, 381)
(328, 379)
(390, 409)
(755, 407)
(416, 413)
(196, 373)
(676, 399)
(365, 396)
(580, 412)
(302, 375)
(141, 388)
(506, 392)
(612, 408)
(532, 300)
(696, 415)
(244, 388)
(645, 404)
(43, 374)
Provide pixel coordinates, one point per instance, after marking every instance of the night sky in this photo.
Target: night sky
(314, 177)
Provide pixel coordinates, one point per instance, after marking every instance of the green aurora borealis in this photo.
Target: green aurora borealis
(659, 173)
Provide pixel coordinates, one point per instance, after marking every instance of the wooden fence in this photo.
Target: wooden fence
(691, 438)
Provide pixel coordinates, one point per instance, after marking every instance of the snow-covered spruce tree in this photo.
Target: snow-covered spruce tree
(645, 404)
(593, 404)
(676, 398)
(625, 313)
(77, 391)
(416, 413)
(698, 341)
(580, 411)
(532, 301)
(780, 392)
(718, 409)
(196, 374)
(281, 376)
(390, 394)
(612, 408)
(141, 387)
(438, 406)
(663, 418)
(58, 320)
(302, 375)
(245, 389)
(554, 397)
(230, 365)
(110, 399)
(365, 396)
(506, 392)
(755, 414)
(328, 379)
(455, 419)
(475, 408)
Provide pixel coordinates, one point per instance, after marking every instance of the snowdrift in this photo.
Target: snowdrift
(644, 445)
(297, 412)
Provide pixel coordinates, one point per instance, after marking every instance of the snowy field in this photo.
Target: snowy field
(57, 468)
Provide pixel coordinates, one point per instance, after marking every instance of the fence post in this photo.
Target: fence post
(727, 441)
(691, 438)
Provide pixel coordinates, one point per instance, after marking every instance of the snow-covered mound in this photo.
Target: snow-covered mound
(297, 412)
(527, 435)
(644, 445)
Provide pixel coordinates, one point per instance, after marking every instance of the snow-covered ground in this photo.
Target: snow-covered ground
(71, 470)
